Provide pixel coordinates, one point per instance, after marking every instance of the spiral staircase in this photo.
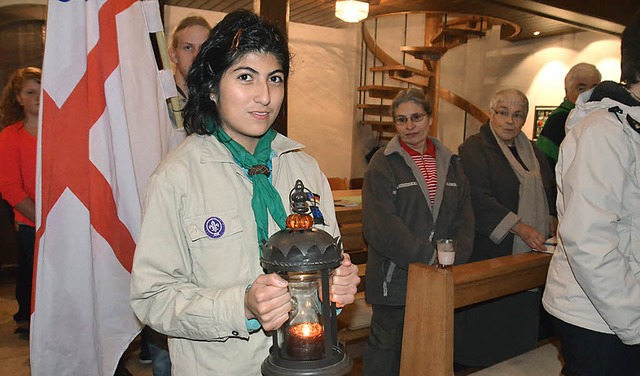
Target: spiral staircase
(382, 75)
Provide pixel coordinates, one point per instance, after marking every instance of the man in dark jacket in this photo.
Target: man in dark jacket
(415, 192)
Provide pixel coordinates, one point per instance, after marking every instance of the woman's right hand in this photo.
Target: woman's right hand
(532, 237)
(268, 300)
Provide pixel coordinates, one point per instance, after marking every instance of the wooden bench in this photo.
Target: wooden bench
(433, 294)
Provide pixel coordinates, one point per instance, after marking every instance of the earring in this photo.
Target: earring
(212, 97)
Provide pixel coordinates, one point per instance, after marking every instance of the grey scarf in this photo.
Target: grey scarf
(533, 208)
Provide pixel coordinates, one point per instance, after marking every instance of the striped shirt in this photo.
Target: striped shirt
(427, 164)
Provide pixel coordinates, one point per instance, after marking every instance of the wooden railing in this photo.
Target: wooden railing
(433, 294)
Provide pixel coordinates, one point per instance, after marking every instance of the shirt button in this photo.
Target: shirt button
(235, 333)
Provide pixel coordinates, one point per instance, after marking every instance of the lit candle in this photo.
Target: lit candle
(446, 252)
(306, 341)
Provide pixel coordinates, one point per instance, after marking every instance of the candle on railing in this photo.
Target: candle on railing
(446, 252)
(306, 341)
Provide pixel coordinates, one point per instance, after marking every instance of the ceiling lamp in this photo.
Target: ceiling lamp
(351, 10)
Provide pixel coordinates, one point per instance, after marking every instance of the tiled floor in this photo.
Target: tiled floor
(14, 348)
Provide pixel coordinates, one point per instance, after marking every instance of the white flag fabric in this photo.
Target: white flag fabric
(104, 128)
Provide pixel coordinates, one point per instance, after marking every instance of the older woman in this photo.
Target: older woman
(513, 200)
(414, 193)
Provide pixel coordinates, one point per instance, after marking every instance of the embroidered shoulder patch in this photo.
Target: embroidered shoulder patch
(214, 227)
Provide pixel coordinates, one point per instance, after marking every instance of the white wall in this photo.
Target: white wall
(322, 83)
(537, 67)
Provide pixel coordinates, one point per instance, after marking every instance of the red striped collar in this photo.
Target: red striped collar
(431, 149)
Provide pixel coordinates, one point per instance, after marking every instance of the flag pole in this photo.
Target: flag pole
(174, 102)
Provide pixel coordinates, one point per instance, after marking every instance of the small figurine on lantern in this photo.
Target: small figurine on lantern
(307, 343)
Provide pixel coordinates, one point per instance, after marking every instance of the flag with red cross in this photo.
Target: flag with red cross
(104, 128)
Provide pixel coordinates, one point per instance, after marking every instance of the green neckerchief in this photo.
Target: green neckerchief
(265, 195)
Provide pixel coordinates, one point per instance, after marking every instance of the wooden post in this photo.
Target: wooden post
(432, 25)
(428, 322)
(276, 12)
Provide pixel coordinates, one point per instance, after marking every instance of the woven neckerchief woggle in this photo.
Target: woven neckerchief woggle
(265, 197)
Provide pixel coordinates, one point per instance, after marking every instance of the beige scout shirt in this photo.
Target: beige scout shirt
(189, 284)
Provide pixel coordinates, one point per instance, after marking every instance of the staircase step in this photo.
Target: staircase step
(454, 36)
(402, 70)
(425, 53)
(378, 91)
(405, 74)
(375, 109)
(379, 125)
(415, 80)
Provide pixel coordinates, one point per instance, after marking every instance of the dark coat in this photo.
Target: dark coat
(495, 190)
(398, 223)
(493, 331)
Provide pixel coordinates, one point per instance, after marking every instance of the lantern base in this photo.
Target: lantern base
(337, 365)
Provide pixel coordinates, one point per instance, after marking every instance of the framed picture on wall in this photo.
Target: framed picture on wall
(540, 117)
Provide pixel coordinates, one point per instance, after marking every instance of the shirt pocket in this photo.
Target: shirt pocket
(217, 249)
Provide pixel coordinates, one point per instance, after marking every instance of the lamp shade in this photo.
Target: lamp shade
(351, 10)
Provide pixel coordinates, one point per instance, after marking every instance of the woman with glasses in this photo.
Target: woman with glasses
(414, 193)
(513, 200)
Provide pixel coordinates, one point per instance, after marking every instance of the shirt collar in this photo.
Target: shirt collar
(430, 151)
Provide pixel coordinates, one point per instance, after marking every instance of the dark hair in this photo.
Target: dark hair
(630, 51)
(411, 95)
(185, 23)
(238, 34)
(10, 110)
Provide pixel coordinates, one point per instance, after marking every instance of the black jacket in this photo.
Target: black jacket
(398, 224)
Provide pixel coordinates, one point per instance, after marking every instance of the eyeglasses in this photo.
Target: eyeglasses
(415, 118)
(516, 116)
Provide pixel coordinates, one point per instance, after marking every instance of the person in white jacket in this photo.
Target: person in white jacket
(593, 285)
(196, 273)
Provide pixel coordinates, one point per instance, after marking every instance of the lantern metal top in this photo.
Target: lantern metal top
(300, 249)
(292, 250)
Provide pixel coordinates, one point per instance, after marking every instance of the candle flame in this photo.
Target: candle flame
(308, 329)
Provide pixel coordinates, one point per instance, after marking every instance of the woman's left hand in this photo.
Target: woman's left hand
(344, 283)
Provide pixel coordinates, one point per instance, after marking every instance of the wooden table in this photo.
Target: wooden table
(348, 214)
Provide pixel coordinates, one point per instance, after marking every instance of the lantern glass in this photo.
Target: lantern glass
(302, 336)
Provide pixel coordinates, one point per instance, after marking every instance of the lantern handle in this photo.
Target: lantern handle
(299, 196)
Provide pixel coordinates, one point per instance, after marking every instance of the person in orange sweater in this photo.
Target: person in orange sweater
(19, 108)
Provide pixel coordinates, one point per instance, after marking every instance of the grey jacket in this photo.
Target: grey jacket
(399, 225)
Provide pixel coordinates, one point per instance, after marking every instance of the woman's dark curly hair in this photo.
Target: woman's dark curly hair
(630, 51)
(239, 33)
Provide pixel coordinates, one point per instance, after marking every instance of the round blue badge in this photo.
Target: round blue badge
(214, 227)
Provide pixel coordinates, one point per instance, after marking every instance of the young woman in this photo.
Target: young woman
(19, 108)
(196, 274)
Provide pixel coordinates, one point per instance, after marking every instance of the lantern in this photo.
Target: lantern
(307, 344)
